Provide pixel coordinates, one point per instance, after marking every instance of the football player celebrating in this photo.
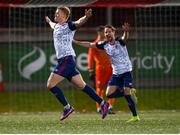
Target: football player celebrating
(121, 80)
(63, 32)
(97, 59)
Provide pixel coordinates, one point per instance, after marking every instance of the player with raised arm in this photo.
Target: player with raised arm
(121, 80)
(96, 60)
(63, 33)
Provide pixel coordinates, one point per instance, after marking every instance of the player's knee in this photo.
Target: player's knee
(108, 96)
(49, 85)
(108, 93)
(81, 86)
(127, 91)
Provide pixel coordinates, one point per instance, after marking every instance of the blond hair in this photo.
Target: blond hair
(65, 10)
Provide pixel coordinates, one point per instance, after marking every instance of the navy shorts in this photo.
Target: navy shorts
(66, 67)
(122, 80)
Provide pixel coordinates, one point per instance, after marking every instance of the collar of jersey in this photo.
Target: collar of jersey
(112, 44)
(62, 24)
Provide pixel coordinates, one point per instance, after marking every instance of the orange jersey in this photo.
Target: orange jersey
(99, 57)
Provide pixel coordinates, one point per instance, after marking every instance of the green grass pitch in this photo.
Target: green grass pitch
(151, 122)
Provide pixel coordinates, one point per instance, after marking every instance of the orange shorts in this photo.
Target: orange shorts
(103, 75)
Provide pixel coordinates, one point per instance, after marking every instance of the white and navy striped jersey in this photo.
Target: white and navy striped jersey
(63, 36)
(118, 54)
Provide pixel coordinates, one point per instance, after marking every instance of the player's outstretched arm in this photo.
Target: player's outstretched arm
(125, 28)
(82, 20)
(85, 44)
(51, 24)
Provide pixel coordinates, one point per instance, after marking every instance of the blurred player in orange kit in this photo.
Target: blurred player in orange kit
(99, 60)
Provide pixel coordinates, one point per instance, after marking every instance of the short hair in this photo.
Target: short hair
(110, 27)
(100, 28)
(65, 10)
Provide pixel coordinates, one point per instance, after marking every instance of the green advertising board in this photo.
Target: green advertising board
(156, 59)
(33, 61)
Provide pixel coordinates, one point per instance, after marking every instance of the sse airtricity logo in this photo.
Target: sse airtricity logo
(27, 70)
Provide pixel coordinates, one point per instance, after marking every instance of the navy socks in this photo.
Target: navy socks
(116, 94)
(59, 95)
(88, 90)
(131, 104)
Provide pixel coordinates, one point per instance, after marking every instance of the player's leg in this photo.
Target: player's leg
(133, 95)
(98, 83)
(127, 77)
(111, 103)
(103, 75)
(131, 104)
(78, 81)
(61, 71)
(105, 82)
(53, 80)
(114, 90)
(100, 93)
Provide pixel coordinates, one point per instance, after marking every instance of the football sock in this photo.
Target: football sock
(99, 93)
(91, 92)
(59, 95)
(116, 94)
(67, 106)
(131, 104)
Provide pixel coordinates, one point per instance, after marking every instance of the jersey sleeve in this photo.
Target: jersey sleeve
(71, 25)
(121, 41)
(100, 44)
